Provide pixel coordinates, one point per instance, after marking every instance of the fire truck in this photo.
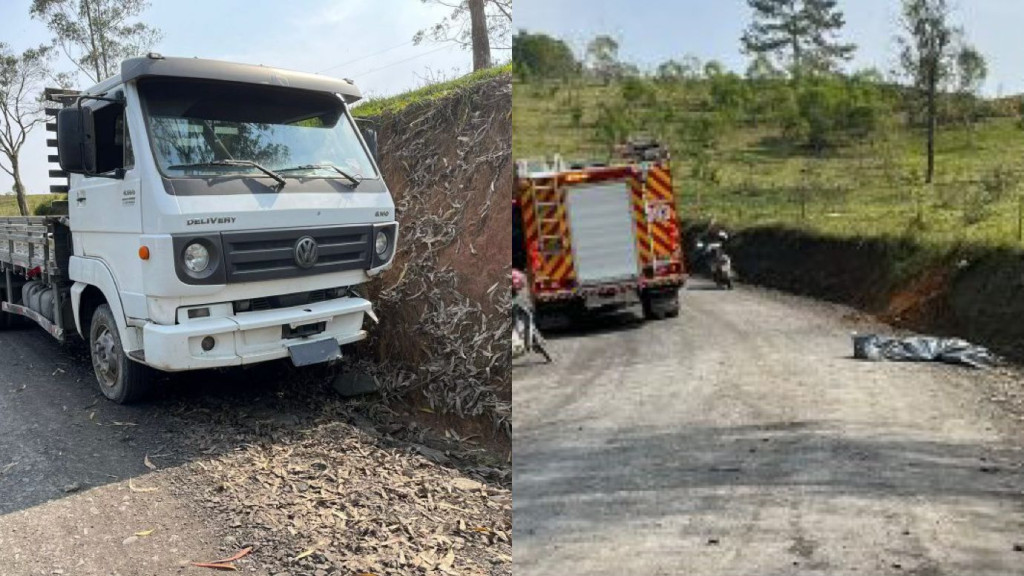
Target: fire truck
(600, 237)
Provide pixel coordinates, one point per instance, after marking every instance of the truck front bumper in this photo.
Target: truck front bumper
(251, 337)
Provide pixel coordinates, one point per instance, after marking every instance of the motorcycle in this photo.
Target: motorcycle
(718, 262)
(721, 270)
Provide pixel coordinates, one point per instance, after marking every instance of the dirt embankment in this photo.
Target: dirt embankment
(968, 292)
(444, 332)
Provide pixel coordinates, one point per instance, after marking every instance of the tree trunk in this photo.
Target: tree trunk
(19, 188)
(481, 42)
(932, 121)
(92, 40)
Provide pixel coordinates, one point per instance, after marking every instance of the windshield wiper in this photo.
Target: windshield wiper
(353, 179)
(280, 181)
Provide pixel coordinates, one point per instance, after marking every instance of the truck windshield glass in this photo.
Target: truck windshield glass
(203, 128)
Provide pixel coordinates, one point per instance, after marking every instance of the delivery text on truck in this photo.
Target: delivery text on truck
(594, 238)
(218, 215)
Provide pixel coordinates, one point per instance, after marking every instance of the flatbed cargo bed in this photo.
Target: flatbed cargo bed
(35, 245)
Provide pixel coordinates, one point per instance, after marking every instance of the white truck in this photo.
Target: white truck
(219, 215)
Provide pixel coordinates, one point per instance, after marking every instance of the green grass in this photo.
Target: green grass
(864, 188)
(9, 203)
(392, 104)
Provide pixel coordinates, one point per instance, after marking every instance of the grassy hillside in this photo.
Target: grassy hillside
(867, 187)
(9, 204)
(378, 106)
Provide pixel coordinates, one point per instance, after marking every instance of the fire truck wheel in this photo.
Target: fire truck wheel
(121, 379)
(673, 311)
(661, 306)
(652, 311)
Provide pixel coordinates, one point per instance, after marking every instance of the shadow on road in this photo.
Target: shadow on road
(585, 486)
(585, 326)
(60, 436)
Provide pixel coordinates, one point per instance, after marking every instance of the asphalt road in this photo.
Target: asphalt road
(58, 434)
(741, 438)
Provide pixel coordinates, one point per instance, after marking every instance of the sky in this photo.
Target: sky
(653, 31)
(369, 41)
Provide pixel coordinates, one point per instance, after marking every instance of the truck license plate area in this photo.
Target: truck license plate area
(287, 332)
(309, 353)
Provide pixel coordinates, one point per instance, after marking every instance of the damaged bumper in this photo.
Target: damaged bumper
(251, 337)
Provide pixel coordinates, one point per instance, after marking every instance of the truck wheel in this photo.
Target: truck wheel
(672, 310)
(121, 379)
(651, 310)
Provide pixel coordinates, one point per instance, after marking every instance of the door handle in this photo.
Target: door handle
(80, 198)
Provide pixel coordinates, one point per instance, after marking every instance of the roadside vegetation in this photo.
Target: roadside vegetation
(38, 204)
(796, 140)
(431, 92)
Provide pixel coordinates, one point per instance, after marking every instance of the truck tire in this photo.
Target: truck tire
(651, 310)
(661, 305)
(121, 379)
(672, 311)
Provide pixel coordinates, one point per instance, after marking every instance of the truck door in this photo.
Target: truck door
(105, 209)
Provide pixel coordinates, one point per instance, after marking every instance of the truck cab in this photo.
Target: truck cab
(219, 214)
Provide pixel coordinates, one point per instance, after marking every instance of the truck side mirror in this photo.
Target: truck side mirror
(370, 135)
(76, 140)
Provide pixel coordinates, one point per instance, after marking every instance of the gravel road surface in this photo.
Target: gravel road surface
(741, 438)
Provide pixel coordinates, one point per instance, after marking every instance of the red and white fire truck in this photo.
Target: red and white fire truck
(600, 237)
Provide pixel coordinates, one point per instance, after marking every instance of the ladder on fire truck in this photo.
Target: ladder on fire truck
(547, 204)
(546, 212)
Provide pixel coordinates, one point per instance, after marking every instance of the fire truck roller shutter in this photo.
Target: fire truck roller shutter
(603, 234)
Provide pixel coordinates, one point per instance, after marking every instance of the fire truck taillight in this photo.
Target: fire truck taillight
(575, 177)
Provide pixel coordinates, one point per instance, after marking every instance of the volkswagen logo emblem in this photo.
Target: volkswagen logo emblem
(306, 252)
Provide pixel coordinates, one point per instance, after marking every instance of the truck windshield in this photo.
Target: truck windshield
(202, 128)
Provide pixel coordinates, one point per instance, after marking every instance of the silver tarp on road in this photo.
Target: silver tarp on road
(922, 349)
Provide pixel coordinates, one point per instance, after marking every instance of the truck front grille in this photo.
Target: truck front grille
(288, 300)
(271, 254)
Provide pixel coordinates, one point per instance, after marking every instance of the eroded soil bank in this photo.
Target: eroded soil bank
(444, 338)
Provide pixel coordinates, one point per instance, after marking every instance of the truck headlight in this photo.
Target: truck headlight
(196, 258)
(380, 243)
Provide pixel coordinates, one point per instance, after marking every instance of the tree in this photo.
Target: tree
(926, 54)
(540, 55)
(762, 69)
(478, 32)
(603, 58)
(800, 34)
(21, 109)
(688, 69)
(670, 71)
(713, 68)
(971, 73)
(96, 35)
(478, 25)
